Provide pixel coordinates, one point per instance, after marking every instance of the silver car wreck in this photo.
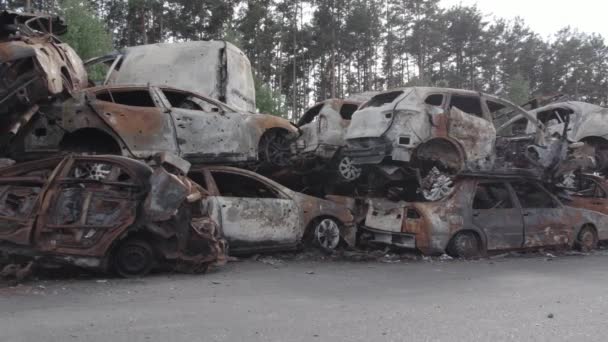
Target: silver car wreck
(449, 127)
(586, 122)
(257, 214)
(322, 129)
(216, 69)
(141, 121)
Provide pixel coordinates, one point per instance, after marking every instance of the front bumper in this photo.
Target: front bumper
(401, 240)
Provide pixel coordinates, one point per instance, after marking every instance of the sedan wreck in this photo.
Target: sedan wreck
(483, 214)
(141, 121)
(105, 213)
(257, 214)
(34, 67)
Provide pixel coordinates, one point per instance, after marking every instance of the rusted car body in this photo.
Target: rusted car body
(484, 213)
(34, 67)
(141, 121)
(216, 69)
(257, 214)
(105, 213)
(586, 123)
(450, 127)
(322, 129)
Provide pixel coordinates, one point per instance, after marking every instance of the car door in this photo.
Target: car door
(90, 203)
(20, 201)
(545, 221)
(138, 119)
(470, 117)
(254, 214)
(208, 131)
(495, 213)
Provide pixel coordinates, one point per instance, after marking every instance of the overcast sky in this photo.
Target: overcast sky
(547, 16)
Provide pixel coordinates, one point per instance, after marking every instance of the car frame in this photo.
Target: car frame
(420, 124)
(105, 213)
(464, 224)
(257, 214)
(142, 121)
(321, 141)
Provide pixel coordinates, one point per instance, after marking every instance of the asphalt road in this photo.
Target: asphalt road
(505, 299)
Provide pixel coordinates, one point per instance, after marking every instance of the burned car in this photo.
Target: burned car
(257, 214)
(449, 127)
(105, 213)
(484, 213)
(141, 121)
(215, 68)
(321, 139)
(587, 123)
(34, 66)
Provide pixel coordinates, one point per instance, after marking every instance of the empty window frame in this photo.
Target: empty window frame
(311, 115)
(501, 112)
(235, 185)
(434, 100)
(347, 110)
(184, 100)
(492, 196)
(467, 104)
(131, 97)
(533, 196)
(382, 99)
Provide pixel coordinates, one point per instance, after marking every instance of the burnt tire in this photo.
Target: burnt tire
(465, 245)
(347, 171)
(326, 234)
(133, 258)
(586, 240)
(274, 150)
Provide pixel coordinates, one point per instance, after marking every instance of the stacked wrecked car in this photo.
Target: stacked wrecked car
(158, 169)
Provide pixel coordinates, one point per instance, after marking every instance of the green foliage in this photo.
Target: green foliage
(268, 101)
(519, 89)
(86, 32)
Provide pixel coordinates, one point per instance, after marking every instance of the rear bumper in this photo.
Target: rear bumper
(401, 240)
(369, 151)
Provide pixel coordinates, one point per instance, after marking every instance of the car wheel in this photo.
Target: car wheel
(134, 258)
(465, 245)
(326, 234)
(274, 149)
(347, 170)
(587, 239)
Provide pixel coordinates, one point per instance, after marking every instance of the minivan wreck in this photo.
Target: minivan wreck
(106, 213)
(141, 121)
(217, 69)
(257, 214)
(484, 213)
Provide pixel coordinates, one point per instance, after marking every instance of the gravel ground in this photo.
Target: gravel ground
(538, 297)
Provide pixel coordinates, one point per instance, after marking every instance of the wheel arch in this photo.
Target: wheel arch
(442, 146)
(481, 237)
(578, 230)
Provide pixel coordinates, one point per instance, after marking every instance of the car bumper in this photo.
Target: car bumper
(373, 153)
(401, 240)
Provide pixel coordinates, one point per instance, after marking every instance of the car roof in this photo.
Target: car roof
(146, 86)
